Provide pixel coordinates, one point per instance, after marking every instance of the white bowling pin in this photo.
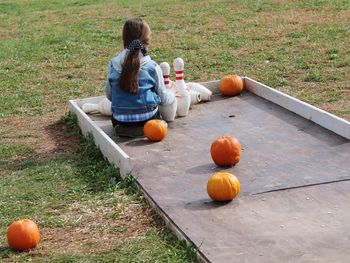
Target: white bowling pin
(104, 107)
(166, 74)
(183, 96)
(203, 91)
(168, 112)
(195, 97)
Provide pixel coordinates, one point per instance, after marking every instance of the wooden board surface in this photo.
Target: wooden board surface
(282, 153)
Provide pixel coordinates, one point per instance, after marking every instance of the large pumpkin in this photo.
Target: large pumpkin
(23, 234)
(155, 130)
(223, 186)
(231, 85)
(226, 150)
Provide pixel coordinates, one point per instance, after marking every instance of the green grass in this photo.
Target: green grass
(153, 247)
(53, 51)
(46, 191)
(9, 152)
(43, 190)
(43, 64)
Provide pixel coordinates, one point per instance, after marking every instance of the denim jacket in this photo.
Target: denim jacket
(151, 93)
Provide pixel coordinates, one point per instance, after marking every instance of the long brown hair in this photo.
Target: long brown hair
(134, 28)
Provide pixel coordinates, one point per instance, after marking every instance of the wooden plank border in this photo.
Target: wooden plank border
(108, 147)
(170, 223)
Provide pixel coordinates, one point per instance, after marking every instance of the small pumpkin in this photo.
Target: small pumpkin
(155, 130)
(23, 234)
(226, 150)
(231, 85)
(223, 186)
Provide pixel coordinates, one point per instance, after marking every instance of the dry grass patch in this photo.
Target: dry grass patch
(44, 134)
(97, 228)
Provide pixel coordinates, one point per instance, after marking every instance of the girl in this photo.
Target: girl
(135, 84)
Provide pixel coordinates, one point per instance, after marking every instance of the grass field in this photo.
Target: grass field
(53, 51)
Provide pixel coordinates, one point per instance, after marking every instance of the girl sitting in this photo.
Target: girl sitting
(135, 84)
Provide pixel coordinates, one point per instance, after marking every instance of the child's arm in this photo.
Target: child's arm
(108, 90)
(166, 96)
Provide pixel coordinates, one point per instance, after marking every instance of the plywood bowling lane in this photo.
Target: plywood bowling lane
(294, 200)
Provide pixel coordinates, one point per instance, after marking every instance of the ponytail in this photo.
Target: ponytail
(129, 77)
(136, 35)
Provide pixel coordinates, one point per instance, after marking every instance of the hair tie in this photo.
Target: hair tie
(137, 44)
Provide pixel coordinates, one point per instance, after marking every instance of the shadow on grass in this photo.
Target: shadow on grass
(5, 252)
(64, 139)
(73, 157)
(90, 164)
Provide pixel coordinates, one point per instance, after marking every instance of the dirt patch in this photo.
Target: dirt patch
(46, 135)
(98, 228)
(4, 34)
(298, 18)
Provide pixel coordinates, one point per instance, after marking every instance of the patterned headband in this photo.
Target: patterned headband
(137, 44)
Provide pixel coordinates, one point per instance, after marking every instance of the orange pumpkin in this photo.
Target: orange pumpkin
(226, 150)
(155, 130)
(23, 234)
(231, 85)
(223, 186)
